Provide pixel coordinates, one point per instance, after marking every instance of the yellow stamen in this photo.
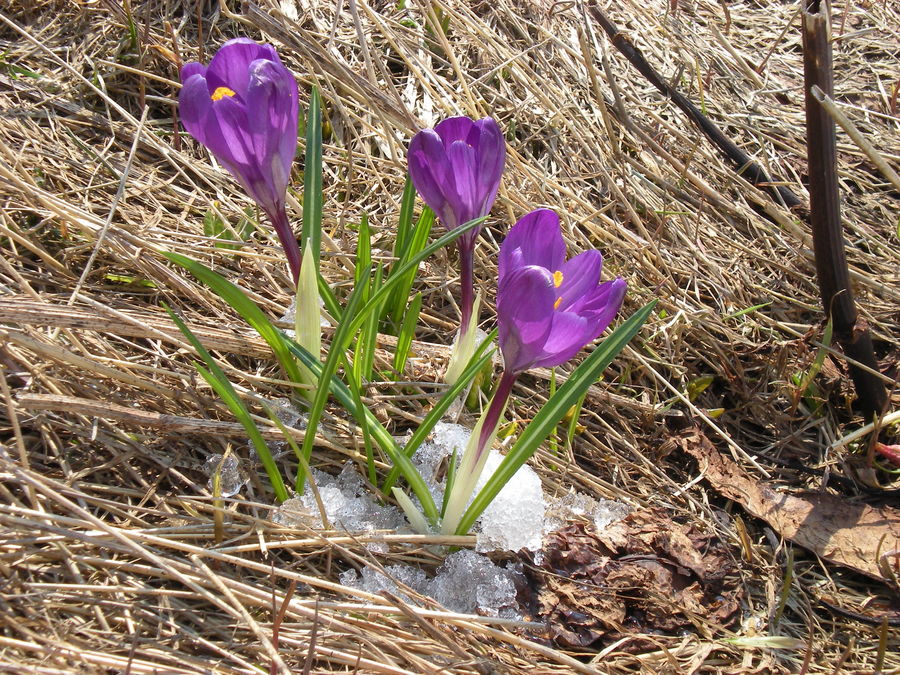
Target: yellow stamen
(557, 278)
(557, 303)
(221, 93)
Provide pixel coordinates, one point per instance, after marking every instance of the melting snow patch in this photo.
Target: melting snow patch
(231, 478)
(575, 505)
(467, 583)
(470, 583)
(515, 519)
(348, 505)
(374, 581)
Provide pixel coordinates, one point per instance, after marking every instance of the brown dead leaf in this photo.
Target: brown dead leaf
(643, 574)
(836, 529)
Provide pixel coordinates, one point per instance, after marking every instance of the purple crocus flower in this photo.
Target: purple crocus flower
(548, 308)
(243, 106)
(456, 168)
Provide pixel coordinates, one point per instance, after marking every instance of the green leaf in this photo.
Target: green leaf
(251, 313)
(573, 422)
(128, 279)
(339, 343)
(367, 435)
(544, 423)
(312, 179)
(327, 295)
(404, 222)
(409, 268)
(411, 248)
(367, 343)
(748, 310)
(217, 379)
(806, 384)
(819, 360)
(215, 227)
(247, 223)
(307, 323)
(451, 479)
(384, 439)
(698, 385)
(413, 515)
(479, 359)
(406, 334)
(363, 249)
(303, 463)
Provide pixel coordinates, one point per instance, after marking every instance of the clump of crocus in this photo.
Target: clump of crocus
(548, 308)
(243, 106)
(456, 168)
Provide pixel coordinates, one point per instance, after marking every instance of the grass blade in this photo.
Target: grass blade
(251, 313)
(339, 343)
(406, 334)
(415, 244)
(303, 463)
(312, 178)
(364, 354)
(404, 223)
(331, 303)
(307, 322)
(407, 268)
(451, 479)
(381, 435)
(363, 249)
(544, 423)
(219, 382)
(479, 359)
(367, 435)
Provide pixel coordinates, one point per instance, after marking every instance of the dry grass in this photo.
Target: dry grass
(108, 560)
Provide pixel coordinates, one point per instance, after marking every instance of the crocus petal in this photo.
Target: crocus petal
(424, 181)
(568, 333)
(534, 240)
(491, 153)
(601, 308)
(218, 125)
(454, 129)
(579, 276)
(462, 196)
(235, 144)
(288, 112)
(524, 316)
(190, 69)
(428, 167)
(272, 121)
(195, 108)
(230, 67)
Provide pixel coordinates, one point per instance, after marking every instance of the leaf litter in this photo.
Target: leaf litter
(644, 574)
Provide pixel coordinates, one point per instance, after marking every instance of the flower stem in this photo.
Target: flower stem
(282, 226)
(494, 411)
(473, 460)
(467, 282)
